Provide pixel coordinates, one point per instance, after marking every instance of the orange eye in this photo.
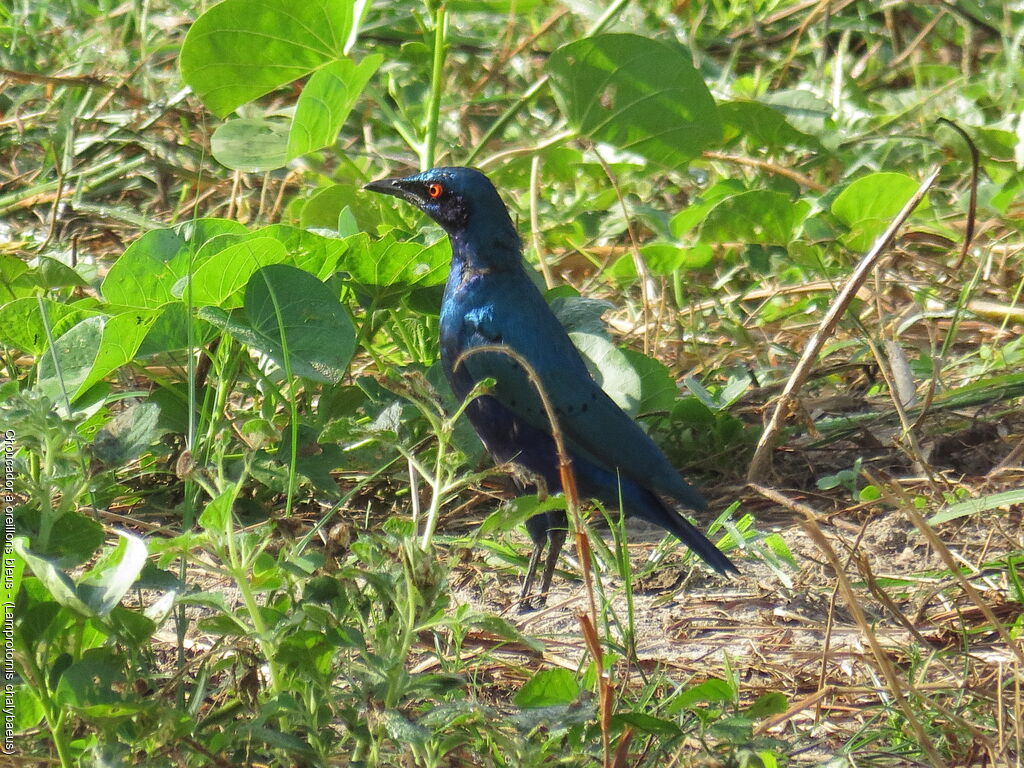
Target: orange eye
(435, 190)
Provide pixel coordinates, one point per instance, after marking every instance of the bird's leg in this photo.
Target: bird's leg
(556, 539)
(540, 532)
(531, 573)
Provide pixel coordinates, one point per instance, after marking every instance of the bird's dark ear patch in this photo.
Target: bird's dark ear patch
(452, 211)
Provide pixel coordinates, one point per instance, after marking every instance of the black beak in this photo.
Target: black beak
(413, 191)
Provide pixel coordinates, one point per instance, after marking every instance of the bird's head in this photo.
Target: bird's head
(459, 199)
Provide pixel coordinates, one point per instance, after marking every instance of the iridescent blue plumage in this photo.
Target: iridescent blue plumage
(489, 299)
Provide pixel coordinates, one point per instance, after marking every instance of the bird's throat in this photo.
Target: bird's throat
(485, 249)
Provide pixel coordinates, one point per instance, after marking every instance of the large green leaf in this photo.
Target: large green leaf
(240, 50)
(15, 279)
(22, 325)
(869, 204)
(109, 580)
(144, 275)
(306, 250)
(57, 583)
(128, 435)
(121, 339)
(326, 101)
(763, 126)
(388, 268)
(611, 369)
(318, 337)
(658, 390)
(65, 366)
(636, 94)
(174, 328)
(91, 350)
(548, 688)
(217, 281)
(758, 216)
(251, 145)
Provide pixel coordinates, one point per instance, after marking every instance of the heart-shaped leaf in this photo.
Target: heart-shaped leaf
(292, 315)
(636, 94)
(240, 50)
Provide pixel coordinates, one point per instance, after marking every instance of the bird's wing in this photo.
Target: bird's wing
(595, 427)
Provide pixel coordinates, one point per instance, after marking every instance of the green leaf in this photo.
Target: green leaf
(217, 281)
(636, 94)
(217, 515)
(198, 232)
(137, 628)
(122, 336)
(73, 540)
(65, 366)
(128, 435)
(662, 259)
(109, 580)
(403, 730)
(658, 390)
(758, 216)
(326, 101)
(869, 204)
(505, 629)
(581, 314)
(641, 721)
(93, 680)
(306, 250)
(611, 369)
(767, 704)
(57, 583)
(713, 691)
(52, 274)
(322, 210)
(548, 688)
(144, 275)
(27, 709)
(804, 110)
(251, 145)
(15, 282)
(318, 332)
(517, 511)
(22, 327)
(169, 331)
(735, 730)
(974, 506)
(388, 268)
(240, 50)
(763, 126)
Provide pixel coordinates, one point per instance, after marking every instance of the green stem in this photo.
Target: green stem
(395, 674)
(52, 711)
(293, 408)
(429, 152)
(240, 573)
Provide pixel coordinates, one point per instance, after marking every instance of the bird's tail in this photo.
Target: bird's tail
(654, 510)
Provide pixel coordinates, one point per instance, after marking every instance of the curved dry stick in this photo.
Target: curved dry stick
(761, 463)
(972, 207)
(588, 623)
